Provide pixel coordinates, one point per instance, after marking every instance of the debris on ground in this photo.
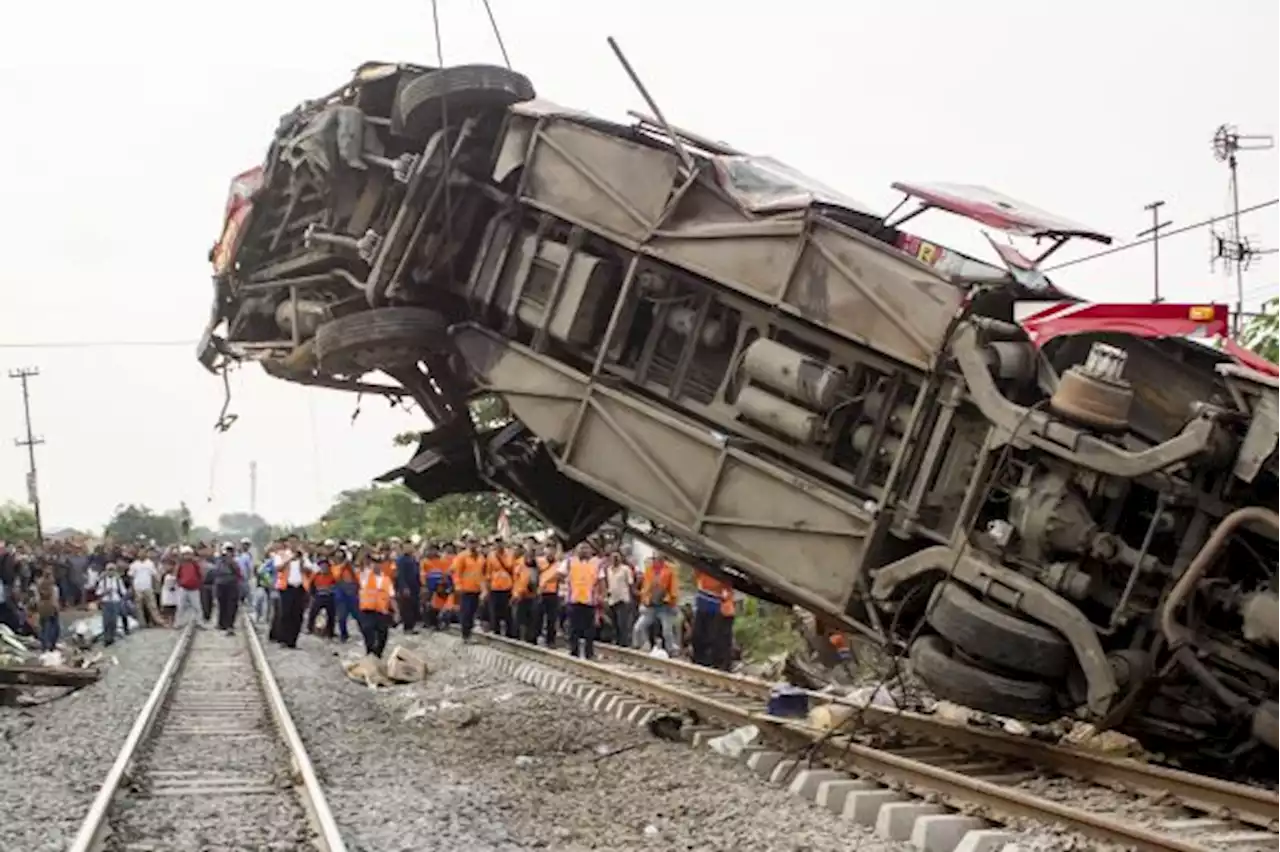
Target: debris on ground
(405, 666)
(88, 631)
(734, 743)
(402, 666)
(368, 670)
(22, 663)
(1086, 736)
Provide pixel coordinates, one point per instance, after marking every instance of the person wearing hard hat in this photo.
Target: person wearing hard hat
(435, 582)
(377, 606)
(468, 572)
(323, 581)
(346, 590)
(499, 581)
(524, 593)
(190, 574)
(585, 579)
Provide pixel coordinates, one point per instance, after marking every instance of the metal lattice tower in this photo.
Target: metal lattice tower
(1233, 247)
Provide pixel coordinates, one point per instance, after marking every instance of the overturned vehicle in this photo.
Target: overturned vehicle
(1054, 507)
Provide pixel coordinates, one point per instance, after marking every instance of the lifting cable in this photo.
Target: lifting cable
(447, 145)
(497, 34)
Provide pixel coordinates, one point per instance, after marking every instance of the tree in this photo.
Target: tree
(238, 525)
(487, 412)
(382, 511)
(454, 513)
(1262, 332)
(132, 522)
(17, 523)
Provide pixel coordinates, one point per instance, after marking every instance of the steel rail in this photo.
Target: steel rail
(1250, 805)
(957, 789)
(329, 839)
(93, 830)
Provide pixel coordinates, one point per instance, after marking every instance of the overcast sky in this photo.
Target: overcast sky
(124, 121)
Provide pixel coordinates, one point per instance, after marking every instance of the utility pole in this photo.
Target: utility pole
(253, 487)
(33, 492)
(1154, 232)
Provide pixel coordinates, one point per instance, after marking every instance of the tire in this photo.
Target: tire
(422, 103)
(963, 683)
(378, 339)
(996, 636)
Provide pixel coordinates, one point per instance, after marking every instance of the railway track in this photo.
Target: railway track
(910, 774)
(212, 762)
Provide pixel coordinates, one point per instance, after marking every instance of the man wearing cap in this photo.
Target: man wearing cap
(190, 575)
(244, 562)
(226, 587)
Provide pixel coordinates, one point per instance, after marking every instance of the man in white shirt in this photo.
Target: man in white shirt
(143, 575)
(619, 581)
(292, 567)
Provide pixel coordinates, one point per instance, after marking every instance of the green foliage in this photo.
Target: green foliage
(17, 523)
(764, 630)
(132, 522)
(487, 412)
(1262, 332)
(382, 511)
(234, 526)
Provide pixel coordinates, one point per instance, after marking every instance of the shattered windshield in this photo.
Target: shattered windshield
(763, 184)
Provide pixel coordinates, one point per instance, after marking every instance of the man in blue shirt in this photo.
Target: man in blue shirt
(408, 586)
(244, 565)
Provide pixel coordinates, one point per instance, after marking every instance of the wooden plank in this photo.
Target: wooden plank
(47, 676)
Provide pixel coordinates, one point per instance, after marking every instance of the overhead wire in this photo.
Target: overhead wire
(497, 34)
(1164, 235)
(94, 344)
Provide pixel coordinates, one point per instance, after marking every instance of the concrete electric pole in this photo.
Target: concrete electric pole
(33, 491)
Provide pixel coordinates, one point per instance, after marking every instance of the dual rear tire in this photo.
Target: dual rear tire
(989, 659)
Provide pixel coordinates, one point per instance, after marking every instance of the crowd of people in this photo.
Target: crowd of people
(155, 587)
(526, 590)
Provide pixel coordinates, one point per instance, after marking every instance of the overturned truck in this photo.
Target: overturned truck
(1054, 507)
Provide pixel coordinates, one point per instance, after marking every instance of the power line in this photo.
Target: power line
(94, 344)
(33, 493)
(1164, 235)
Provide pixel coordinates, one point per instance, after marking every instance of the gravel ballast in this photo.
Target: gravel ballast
(54, 756)
(472, 759)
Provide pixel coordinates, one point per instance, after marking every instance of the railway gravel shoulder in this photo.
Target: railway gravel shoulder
(473, 759)
(55, 756)
(1027, 805)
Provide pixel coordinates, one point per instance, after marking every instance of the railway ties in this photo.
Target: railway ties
(212, 762)
(911, 777)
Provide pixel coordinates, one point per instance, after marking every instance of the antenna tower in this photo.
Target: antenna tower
(1233, 248)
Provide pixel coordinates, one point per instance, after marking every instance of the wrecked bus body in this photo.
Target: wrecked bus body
(1053, 507)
